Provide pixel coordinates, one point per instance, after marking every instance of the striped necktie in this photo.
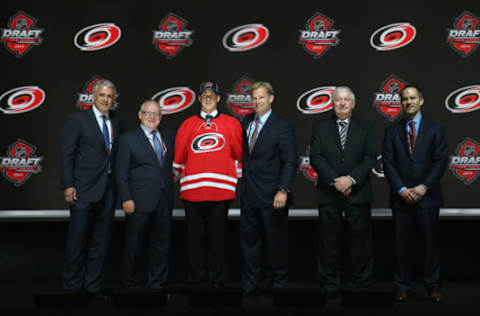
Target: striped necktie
(343, 133)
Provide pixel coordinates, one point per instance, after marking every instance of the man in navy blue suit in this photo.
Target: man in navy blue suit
(88, 148)
(144, 178)
(414, 160)
(269, 168)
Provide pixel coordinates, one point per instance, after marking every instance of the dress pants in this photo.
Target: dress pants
(359, 225)
(150, 232)
(206, 225)
(405, 219)
(259, 225)
(89, 234)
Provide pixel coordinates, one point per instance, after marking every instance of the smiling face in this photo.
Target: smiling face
(209, 101)
(104, 99)
(150, 115)
(261, 101)
(343, 104)
(411, 102)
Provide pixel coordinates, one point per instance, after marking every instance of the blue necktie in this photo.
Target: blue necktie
(158, 147)
(106, 137)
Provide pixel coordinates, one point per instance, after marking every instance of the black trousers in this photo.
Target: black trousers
(206, 225)
(405, 221)
(259, 226)
(359, 226)
(89, 234)
(150, 232)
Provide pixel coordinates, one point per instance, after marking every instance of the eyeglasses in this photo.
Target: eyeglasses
(154, 114)
(208, 96)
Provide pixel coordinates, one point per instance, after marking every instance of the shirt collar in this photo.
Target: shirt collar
(204, 114)
(347, 120)
(147, 131)
(98, 113)
(417, 120)
(264, 117)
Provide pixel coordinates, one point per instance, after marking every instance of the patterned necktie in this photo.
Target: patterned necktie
(106, 138)
(343, 133)
(254, 135)
(412, 135)
(158, 147)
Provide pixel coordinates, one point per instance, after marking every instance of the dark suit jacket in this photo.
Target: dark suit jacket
(83, 156)
(273, 162)
(425, 167)
(330, 161)
(138, 174)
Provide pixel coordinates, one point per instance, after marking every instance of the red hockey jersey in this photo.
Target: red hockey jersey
(208, 157)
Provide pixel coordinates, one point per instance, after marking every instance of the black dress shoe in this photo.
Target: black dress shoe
(98, 296)
(437, 297)
(401, 296)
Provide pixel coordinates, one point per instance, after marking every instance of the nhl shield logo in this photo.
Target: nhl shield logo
(466, 164)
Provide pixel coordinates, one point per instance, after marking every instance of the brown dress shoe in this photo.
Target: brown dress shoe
(437, 297)
(401, 296)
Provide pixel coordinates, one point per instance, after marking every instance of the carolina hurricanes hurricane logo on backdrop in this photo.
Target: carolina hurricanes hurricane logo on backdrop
(464, 38)
(20, 162)
(319, 35)
(85, 98)
(245, 37)
(239, 102)
(207, 143)
(316, 101)
(96, 37)
(172, 36)
(464, 100)
(21, 100)
(175, 99)
(393, 36)
(20, 35)
(466, 164)
(387, 101)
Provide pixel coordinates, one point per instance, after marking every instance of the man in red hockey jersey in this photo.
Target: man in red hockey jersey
(208, 150)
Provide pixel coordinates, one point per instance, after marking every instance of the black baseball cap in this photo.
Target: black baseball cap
(209, 85)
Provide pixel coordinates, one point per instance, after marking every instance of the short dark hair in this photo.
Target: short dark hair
(419, 90)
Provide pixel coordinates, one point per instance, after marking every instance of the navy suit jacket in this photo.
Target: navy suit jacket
(83, 156)
(138, 174)
(426, 166)
(272, 165)
(330, 161)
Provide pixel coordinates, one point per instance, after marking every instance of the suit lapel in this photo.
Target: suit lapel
(422, 129)
(334, 131)
(92, 121)
(265, 130)
(145, 143)
(402, 130)
(351, 134)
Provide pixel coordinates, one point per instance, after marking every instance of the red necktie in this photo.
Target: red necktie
(412, 136)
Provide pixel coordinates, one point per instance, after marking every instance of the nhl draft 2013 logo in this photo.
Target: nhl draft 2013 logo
(172, 36)
(239, 102)
(20, 162)
(319, 35)
(85, 98)
(21, 35)
(306, 168)
(466, 164)
(387, 100)
(464, 37)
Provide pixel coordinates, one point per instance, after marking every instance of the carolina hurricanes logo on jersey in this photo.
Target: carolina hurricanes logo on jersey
(175, 99)
(207, 143)
(387, 101)
(20, 35)
(245, 37)
(316, 101)
(464, 100)
(96, 37)
(21, 100)
(464, 38)
(172, 36)
(319, 35)
(393, 36)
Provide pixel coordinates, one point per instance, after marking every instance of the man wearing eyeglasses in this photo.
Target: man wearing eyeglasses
(144, 180)
(208, 148)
